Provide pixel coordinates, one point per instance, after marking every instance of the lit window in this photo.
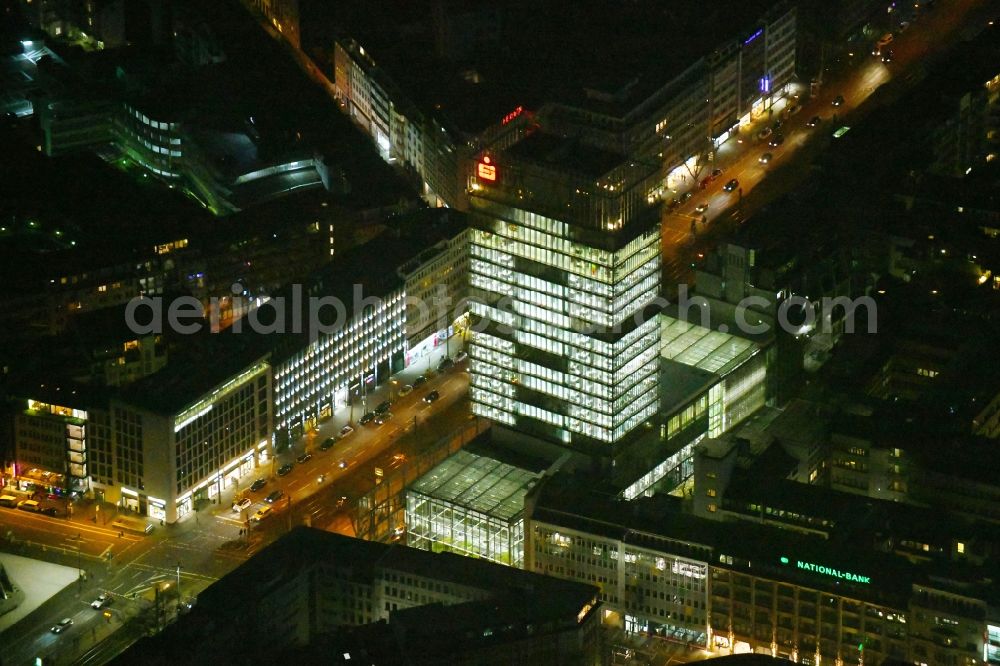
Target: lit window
(960, 547)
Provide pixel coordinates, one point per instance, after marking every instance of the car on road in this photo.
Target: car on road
(405, 391)
(274, 497)
(445, 363)
(29, 505)
(304, 458)
(715, 173)
(327, 444)
(701, 208)
(262, 513)
(793, 109)
(383, 407)
(420, 380)
(431, 397)
(50, 511)
(776, 140)
(765, 158)
(882, 44)
(101, 601)
(461, 356)
(284, 469)
(778, 124)
(342, 464)
(367, 418)
(382, 418)
(903, 26)
(731, 185)
(242, 505)
(838, 100)
(258, 484)
(687, 196)
(887, 56)
(346, 430)
(764, 133)
(814, 121)
(62, 625)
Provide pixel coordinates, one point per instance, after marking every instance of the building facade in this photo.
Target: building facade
(562, 265)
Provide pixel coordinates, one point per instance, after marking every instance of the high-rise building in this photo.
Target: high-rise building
(564, 261)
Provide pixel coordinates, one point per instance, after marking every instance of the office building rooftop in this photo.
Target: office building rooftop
(474, 63)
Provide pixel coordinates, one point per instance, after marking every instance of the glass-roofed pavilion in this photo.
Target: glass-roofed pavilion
(472, 505)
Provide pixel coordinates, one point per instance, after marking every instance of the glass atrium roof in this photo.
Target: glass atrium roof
(479, 484)
(703, 348)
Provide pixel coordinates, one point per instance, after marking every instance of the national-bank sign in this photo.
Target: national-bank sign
(828, 571)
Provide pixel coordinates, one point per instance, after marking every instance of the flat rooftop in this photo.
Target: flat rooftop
(565, 154)
(485, 59)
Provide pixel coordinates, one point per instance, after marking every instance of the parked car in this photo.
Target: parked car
(445, 363)
(764, 133)
(687, 196)
(346, 430)
(793, 109)
(327, 443)
(101, 601)
(50, 511)
(304, 458)
(776, 140)
(284, 469)
(716, 173)
(367, 418)
(731, 185)
(419, 380)
(242, 505)
(701, 208)
(274, 497)
(431, 397)
(382, 418)
(62, 625)
(814, 121)
(765, 158)
(405, 390)
(383, 407)
(258, 484)
(29, 505)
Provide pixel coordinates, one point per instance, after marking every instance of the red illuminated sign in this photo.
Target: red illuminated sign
(486, 170)
(513, 114)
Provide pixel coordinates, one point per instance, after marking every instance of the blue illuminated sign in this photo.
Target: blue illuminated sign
(765, 84)
(753, 36)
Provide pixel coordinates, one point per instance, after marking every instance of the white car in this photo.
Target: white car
(406, 390)
(62, 626)
(242, 505)
(100, 602)
(346, 430)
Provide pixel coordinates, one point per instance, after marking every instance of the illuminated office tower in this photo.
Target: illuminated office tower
(564, 264)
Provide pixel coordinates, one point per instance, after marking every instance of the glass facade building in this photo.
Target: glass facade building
(564, 261)
(471, 505)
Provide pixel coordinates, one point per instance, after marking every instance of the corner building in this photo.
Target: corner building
(564, 261)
